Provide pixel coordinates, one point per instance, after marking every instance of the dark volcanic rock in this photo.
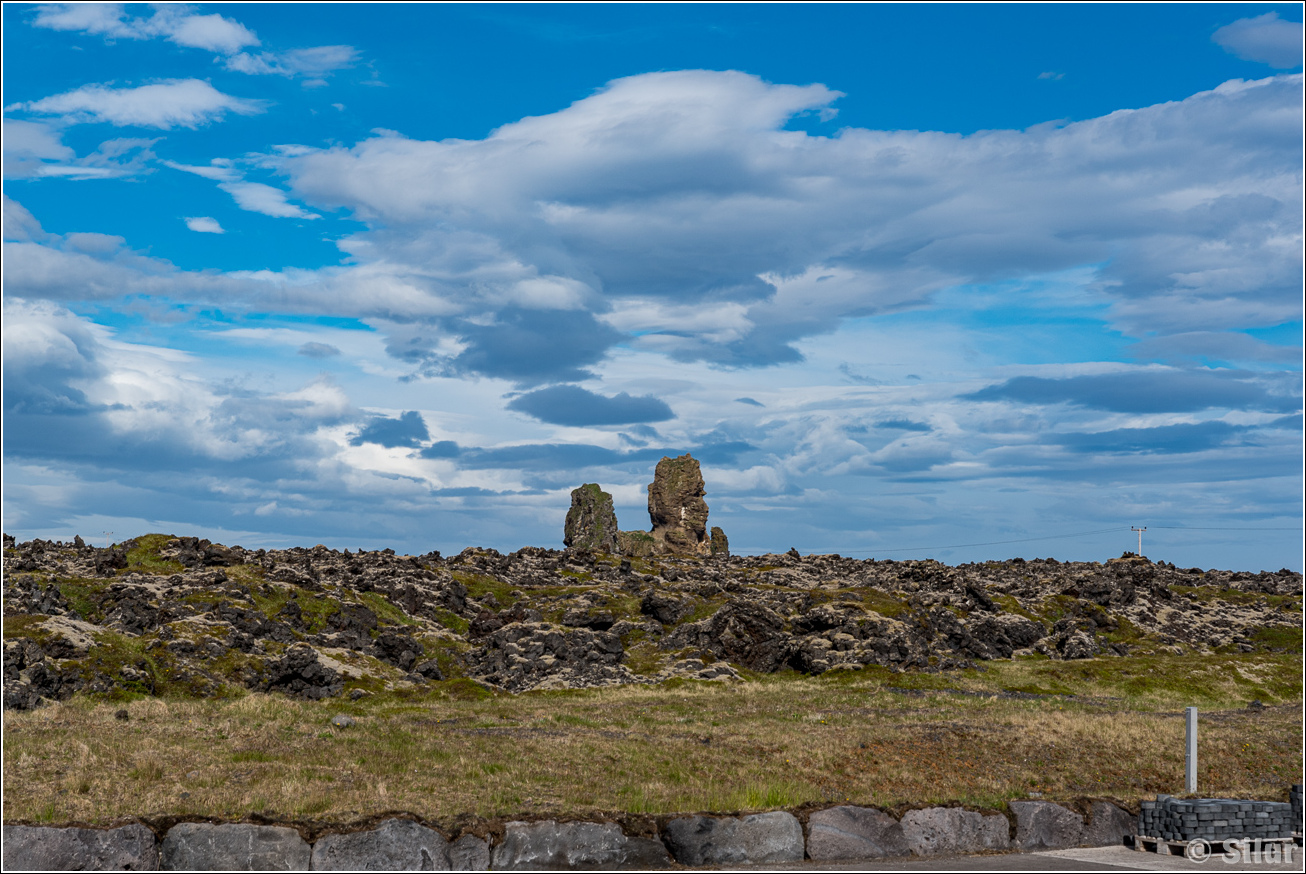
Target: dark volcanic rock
(392, 613)
(38, 848)
(676, 507)
(666, 609)
(720, 545)
(396, 845)
(591, 522)
(299, 672)
(526, 655)
(742, 632)
(571, 846)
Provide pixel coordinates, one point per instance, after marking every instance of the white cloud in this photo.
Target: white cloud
(219, 170)
(35, 149)
(1265, 38)
(205, 225)
(671, 196)
(216, 33)
(257, 197)
(175, 23)
(171, 103)
(100, 18)
(28, 145)
(19, 224)
(314, 62)
(211, 32)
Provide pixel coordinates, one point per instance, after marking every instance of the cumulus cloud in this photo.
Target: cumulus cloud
(1265, 38)
(171, 103)
(684, 217)
(81, 395)
(672, 212)
(573, 405)
(204, 224)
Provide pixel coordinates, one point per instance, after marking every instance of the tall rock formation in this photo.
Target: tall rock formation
(719, 544)
(591, 522)
(677, 509)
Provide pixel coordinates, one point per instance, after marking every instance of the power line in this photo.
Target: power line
(1066, 536)
(1196, 528)
(1002, 542)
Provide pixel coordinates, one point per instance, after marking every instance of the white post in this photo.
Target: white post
(1140, 538)
(1190, 744)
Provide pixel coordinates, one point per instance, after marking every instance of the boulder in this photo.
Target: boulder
(571, 845)
(757, 839)
(854, 833)
(469, 853)
(951, 831)
(525, 655)
(1042, 825)
(1079, 645)
(743, 632)
(591, 522)
(200, 846)
(299, 672)
(1108, 825)
(676, 507)
(37, 848)
(397, 845)
(666, 609)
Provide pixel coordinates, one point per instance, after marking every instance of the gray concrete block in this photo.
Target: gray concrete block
(762, 837)
(38, 848)
(574, 846)
(199, 846)
(943, 830)
(396, 845)
(1042, 825)
(1108, 825)
(854, 833)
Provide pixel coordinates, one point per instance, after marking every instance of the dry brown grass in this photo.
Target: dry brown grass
(772, 742)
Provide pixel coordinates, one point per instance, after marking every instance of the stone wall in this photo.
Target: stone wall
(845, 832)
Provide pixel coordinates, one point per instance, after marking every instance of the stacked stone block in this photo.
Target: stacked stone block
(1294, 798)
(1214, 819)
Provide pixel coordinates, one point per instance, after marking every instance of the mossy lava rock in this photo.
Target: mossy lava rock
(591, 522)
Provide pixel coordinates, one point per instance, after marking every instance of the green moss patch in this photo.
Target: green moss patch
(144, 556)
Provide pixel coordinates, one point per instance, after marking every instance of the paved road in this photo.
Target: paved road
(1097, 859)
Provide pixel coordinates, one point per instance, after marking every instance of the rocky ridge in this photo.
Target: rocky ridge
(161, 615)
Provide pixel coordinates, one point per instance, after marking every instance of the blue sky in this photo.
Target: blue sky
(904, 277)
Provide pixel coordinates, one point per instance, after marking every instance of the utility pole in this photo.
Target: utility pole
(1140, 538)
(1190, 750)
(108, 539)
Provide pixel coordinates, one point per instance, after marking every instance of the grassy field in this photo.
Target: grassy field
(1103, 728)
